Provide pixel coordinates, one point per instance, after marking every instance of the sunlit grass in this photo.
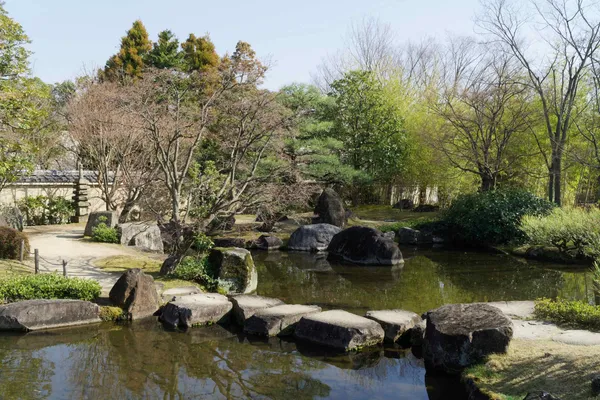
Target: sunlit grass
(11, 268)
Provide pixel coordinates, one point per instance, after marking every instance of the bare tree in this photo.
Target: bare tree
(484, 108)
(571, 29)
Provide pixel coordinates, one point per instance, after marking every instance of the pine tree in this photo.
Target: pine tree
(199, 54)
(165, 53)
(129, 61)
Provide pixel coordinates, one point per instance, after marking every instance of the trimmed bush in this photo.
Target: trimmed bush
(573, 313)
(105, 234)
(47, 286)
(493, 217)
(10, 243)
(196, 269)
(43, 210)
(574, 232)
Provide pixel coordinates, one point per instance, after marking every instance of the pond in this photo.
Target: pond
(144, 361)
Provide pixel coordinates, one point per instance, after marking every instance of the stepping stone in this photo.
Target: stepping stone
(31, 315)
(395, 323)
(278, 320)
(245, 305)
(171, 294)
(339, 329)
(196, 309)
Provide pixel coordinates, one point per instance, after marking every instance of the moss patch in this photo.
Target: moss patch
(563, 370)
(108, 313)
(150, 266)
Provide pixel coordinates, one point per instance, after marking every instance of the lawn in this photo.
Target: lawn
(150, 266)
(11, 267)
(563, 370)
(389, 214)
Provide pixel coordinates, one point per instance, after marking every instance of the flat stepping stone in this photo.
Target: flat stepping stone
(32, 315)
(196, 309)
(278, 320)
(245, 305)
(339, 329)
(578, 338)
(395, 323)
(171, 294)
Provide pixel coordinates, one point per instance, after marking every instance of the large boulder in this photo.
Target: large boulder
(235, 269)
(12, 218)
(339, 329)
(229, 242)
(330, 209)
(245, 305)
(31, 315)
(136, 293)
(268, 242)
(313, 238)
(144, 235)
(109, 218)
(278, 320)
(397, 324)
(196, 309)
(365, 246)
(460, 335)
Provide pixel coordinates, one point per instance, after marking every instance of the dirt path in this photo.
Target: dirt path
(56, 243)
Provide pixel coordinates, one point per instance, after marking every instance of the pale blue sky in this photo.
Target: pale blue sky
(70, 36)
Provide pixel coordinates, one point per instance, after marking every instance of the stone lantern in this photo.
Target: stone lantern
(80, 198)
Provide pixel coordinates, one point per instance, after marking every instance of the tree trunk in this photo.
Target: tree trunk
(551, 183)
(488, 182)
(557, 179)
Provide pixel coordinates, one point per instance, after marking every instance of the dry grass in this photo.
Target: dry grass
(11, 267)
(149, 265)
(563, 370)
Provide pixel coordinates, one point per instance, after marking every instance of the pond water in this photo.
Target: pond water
(144, 361)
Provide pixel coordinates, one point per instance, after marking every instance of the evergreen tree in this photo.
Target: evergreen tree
(130, 60)
(165, 53)
(199, 54)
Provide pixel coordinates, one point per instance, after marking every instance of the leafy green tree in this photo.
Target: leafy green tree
(130, 60)
(14, 57)
(368, 122)
(165, 53)
(199, 54)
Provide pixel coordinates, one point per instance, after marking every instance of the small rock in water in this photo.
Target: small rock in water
(596, 385)
(245, 305)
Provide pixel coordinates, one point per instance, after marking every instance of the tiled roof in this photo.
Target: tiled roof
(57, 176)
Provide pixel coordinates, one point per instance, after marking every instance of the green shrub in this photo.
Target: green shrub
(47, 286)
(573, 313)
(202, 243)
(574, 232)
(43, 210)
(105, 234)
(59, 210)
(10, 243)
(196, 269)
(493, 217)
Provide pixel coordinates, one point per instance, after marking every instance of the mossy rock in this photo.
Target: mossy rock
(234, 269)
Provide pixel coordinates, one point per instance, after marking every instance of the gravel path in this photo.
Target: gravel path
(56, 243)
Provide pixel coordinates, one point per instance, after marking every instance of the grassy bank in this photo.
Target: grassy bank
(150, 266)
(10, 268)
(563, 370)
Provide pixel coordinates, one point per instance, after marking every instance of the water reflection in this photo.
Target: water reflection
(428, 279)
(143, 361)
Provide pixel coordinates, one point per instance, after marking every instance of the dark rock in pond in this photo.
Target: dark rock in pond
(245, 305)
(417, 334)
(31, 315)
(196, 309)
(312, 238)
(278, 320)
(339, 329)
(426, 208)
(413, 236)
(390, 235)
(268, 242)
(143, 235)
(596, 385)
(460, 335)
(236, 270)
(229, 242)
(395, 323)
(109, 218)
(404, 204)
(366, 246)
(136, 293)
(540, 396)
(330, 209)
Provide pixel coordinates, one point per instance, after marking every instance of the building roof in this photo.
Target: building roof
(56, 176)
